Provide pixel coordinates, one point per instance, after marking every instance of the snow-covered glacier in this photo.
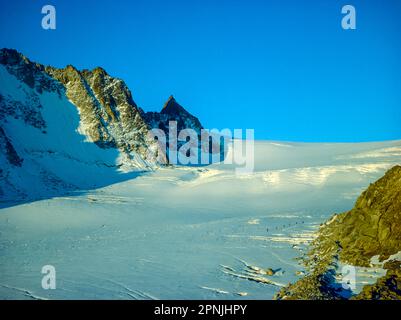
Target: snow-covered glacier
(188, 232)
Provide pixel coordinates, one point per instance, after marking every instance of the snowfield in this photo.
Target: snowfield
(188, 232)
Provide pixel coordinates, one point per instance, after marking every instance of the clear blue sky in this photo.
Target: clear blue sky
(283, 67)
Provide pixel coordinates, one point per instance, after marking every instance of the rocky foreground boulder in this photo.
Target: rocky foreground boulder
(371, 229)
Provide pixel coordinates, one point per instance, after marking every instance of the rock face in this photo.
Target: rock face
(109, 116)
(371, 228)
(182, 119)
(172, 111)
(71, 129)
(9, 152)
(207, 143)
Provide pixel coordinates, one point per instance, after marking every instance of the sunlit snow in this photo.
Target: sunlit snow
(188, 232)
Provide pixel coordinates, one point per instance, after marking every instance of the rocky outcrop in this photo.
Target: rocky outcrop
(371, 228)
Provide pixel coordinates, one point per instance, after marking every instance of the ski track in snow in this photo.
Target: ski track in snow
(189, 232)
(24, 292)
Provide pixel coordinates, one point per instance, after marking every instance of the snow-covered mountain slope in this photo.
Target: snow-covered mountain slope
(41, 131)
(189, 233)
(65, 129)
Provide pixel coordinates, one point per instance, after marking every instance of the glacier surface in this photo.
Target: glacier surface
(188, 232)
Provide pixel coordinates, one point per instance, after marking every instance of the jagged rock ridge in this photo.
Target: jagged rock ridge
(49, 116)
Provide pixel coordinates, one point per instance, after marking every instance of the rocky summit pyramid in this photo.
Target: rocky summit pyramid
(66, 129)
(173, 111)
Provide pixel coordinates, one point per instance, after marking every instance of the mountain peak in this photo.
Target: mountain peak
(172, 107)
(100, 71)
(170, 101)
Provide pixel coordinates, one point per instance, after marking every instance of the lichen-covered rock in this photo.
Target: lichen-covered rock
(371, 228)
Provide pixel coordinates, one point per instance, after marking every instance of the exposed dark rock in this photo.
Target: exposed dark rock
(172, 111)
(32, 74)
(10, 153)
